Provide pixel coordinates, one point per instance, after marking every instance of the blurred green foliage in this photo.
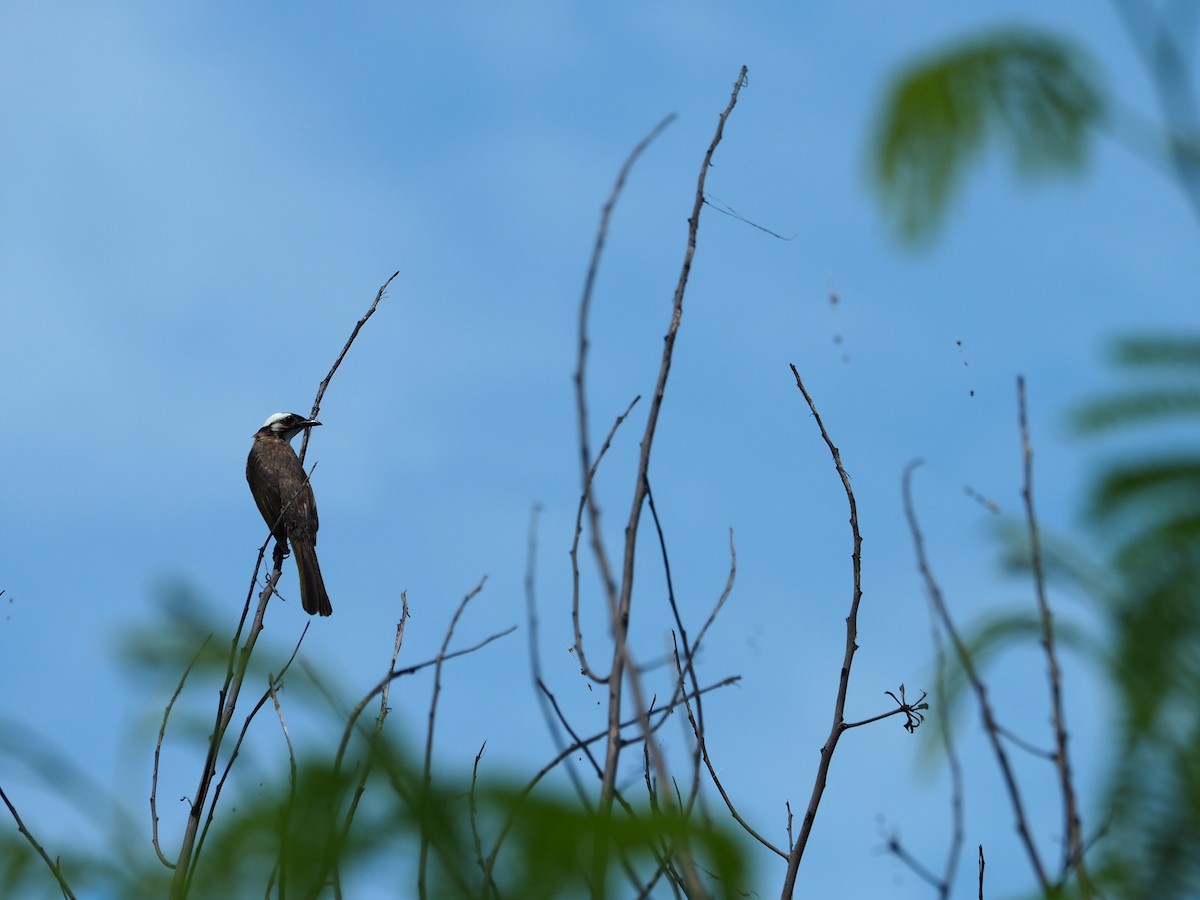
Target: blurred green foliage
(1028, 94)
(1034, 96)
(1146, 506)
(296, 827)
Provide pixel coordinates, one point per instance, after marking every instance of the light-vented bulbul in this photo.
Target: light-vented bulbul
(285, 499)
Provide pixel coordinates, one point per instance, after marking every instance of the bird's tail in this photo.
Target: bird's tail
(312, 585)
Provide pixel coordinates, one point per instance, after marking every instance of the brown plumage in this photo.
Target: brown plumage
(285, 499)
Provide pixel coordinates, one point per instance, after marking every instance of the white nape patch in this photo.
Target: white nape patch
(277, 417)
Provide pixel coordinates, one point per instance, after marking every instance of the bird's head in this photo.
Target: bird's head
(288, 425)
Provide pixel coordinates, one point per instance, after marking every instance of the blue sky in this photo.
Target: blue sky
(199, 200)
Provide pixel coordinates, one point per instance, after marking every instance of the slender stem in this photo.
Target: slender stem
(1073, 850)
(839, 707)
(990, 726)
(620, 613)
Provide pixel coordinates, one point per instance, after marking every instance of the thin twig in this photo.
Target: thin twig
(1073, 849)
(725, 592)
(584, 800)
(581, 744)
(474, 811)
(587, 503)
(380, 689)
(239, 661)
(712, 772)
(839, 707)
(690, 650)
(226, 703)
(395, 674)
(957, 801)
(162, 733)
(368, 764)
(680, 635)
(426, 776)
(622, 659)
(990, 725)
(553, 702)
(237, 746)
(897, 849)
(588, 466)
(291, 801)
(54, 867)
(1017, 741)
(316, 407)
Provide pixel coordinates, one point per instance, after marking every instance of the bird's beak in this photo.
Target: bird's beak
(310, 424)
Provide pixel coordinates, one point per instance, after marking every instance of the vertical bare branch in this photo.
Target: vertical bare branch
(162, 733)
(426, 776)
(839, 707)
(587, 503)
(621, 664)
(239, 661)
(368, 764)
(291, 802)
(588, 465)
(226, 703)
(990, 725)
(490, 887)
(956, 776)
(1073, 850)
(685, 662)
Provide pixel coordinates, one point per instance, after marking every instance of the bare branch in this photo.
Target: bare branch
(365, 772)
(588, 465)
(426, 777)
(162, 733)
(239, 660)
(897, 849)
(291, 802)
(316, 407)
(622, 662)
(1073, 850)
(839, 707)
(491, 885)
(55, 870)
(237, 746)
(725, 592)
(990, 725)
(957, 814)
(702, 746)
(581, 744)
(395, 674)
(586, 503)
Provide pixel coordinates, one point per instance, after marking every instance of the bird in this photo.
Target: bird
(286, 501)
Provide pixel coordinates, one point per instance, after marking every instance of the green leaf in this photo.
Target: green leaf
(1159, 350)
(1134, 407)
(1157, 488)
(1031, 94)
